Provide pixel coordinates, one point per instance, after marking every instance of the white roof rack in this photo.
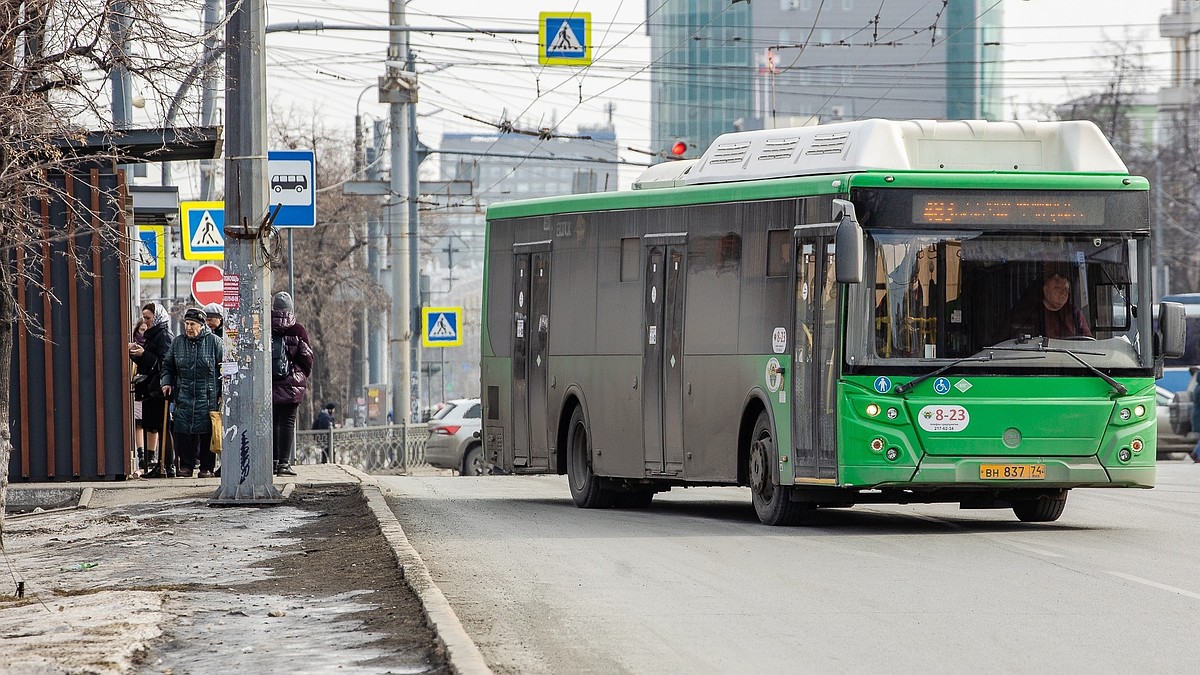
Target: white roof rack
(883, 145)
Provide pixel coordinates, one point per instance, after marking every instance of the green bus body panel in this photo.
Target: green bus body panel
(1072, 425)
(779, 188)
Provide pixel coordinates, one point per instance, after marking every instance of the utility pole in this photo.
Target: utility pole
(398, 89)
(246, 454)
(208, 95)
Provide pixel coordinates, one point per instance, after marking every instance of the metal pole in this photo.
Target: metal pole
(414, 271)
(208, 87)
(246, 457)
(118, 76)
(398, 218)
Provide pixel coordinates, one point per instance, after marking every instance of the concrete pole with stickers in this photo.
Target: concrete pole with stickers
(247, 477)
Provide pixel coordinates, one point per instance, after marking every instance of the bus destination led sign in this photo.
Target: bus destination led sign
(1043, 209)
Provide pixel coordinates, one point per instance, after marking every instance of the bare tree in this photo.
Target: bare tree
(333, 287)
(54, 57)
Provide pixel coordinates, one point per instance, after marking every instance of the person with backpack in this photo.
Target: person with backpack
(291, 366)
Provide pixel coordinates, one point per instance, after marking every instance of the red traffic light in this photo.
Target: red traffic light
(678, 149)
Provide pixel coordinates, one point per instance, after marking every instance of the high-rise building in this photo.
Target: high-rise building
(719, 66)
(701, 71)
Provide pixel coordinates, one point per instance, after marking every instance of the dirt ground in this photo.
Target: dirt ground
(308, 586)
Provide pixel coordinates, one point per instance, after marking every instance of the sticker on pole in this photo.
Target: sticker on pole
(441, 326)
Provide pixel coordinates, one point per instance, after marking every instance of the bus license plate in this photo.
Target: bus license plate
(1012, 471)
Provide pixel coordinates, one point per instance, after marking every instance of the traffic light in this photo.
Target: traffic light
(678, 149)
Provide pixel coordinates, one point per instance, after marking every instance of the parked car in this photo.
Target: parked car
(454, 437)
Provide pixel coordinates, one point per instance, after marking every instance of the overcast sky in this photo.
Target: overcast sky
(1052, 49)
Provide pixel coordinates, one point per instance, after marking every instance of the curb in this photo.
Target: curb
(461, 651)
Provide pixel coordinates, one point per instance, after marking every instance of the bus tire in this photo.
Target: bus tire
(772, 502)
(586, 489)
(1045, 508)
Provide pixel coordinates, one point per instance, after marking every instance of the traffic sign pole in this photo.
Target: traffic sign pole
(247, 476)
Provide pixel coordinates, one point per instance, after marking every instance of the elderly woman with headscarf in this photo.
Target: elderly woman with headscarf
(148, 357)
(192, 376)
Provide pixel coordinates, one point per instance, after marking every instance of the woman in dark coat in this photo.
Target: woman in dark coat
(149, 356)
(192, 374)
(288, 390)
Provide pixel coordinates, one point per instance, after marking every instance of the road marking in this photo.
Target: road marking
(1155, 584)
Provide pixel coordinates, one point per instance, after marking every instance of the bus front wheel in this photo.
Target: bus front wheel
(1045, 508)
(585, 486)
(772, 502)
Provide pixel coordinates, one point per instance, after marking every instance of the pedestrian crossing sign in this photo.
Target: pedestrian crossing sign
(565, 39)
(203, 230)
(441, 326)
(149, 250)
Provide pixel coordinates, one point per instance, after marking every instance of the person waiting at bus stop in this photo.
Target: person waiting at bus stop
(191, 376)
(1051, 313)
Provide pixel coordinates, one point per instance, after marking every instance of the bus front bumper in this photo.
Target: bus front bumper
(1059, 472)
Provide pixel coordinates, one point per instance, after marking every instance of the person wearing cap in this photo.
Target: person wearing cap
(287, 390)
(324, 418)
(192, 377)
(215, 318)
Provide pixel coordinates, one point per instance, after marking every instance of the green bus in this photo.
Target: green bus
(864, 312)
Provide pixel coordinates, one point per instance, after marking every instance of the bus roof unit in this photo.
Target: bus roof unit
(887, 145)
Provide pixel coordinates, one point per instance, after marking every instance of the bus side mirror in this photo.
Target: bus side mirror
(848, 243)
(1171, 329)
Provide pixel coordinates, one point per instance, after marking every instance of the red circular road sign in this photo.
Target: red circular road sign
(208, 284)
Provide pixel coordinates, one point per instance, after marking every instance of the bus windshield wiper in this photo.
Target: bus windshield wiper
(1042, 347)
(908, 386)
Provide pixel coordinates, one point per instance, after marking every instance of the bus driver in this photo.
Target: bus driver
(1054, 316)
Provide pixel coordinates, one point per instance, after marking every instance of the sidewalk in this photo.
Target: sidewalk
(314, 585)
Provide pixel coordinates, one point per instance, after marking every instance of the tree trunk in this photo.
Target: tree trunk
(7, 318)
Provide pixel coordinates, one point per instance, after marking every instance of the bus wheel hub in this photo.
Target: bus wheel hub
(759, 473)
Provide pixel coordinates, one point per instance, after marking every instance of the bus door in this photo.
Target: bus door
(530, 355)
(662, 352)
(814, 360)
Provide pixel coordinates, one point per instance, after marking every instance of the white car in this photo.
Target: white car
(454, 437)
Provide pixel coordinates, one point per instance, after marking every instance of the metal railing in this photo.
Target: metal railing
(392, 449)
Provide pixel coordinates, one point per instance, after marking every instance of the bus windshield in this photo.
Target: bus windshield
(943, 296)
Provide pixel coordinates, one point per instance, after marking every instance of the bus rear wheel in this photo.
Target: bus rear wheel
(772, 502)
(586, 489)
(1045, 508)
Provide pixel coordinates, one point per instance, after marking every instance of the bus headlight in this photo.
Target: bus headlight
(872, 409)
(876, 445)
(892, 454)
(1136, 445)
(1139, 410)
(1124, 414)
(1124, 455)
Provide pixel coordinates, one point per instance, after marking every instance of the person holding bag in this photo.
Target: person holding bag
(191, 375)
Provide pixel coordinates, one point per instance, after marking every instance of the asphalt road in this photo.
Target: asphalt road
(695, 584)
